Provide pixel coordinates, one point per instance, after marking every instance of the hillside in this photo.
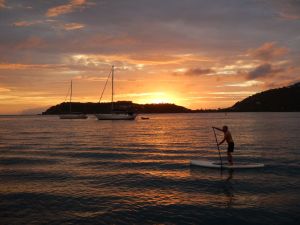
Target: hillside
(286, 99)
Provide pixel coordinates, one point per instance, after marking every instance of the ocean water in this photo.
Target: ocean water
(137, 172)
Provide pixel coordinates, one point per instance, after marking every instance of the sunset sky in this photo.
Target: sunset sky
(195, 53)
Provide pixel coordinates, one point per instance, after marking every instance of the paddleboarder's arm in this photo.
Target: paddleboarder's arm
(222, 141)
(217, 129)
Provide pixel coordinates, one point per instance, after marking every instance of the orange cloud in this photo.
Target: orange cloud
(67, 8)
(25, 23)
(268, 51)
(16, 66)
(4, 89)
(287, 16)
(248, 83)
(55, 24)
(152, 58)
(95, 60)
(138, 61)
(73, 26)
(2, 4)
(241, 93)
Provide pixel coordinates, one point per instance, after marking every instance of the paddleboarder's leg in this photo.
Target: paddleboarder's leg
(229, 156)
(229, 151)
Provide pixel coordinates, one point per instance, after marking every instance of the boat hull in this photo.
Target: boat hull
(73, 116)
(112, 116)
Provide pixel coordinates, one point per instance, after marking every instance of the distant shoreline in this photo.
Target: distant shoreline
(285, 99)
(92, 114)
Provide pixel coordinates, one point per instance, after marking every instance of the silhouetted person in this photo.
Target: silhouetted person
(229, 140)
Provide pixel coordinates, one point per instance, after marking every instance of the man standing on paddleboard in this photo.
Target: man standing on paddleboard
(229, 140)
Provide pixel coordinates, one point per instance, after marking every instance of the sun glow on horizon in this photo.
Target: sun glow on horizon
(158, 98)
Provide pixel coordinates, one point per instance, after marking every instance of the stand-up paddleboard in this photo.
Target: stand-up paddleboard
(211, 164)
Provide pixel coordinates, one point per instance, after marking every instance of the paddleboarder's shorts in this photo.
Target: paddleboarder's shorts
(230, 147)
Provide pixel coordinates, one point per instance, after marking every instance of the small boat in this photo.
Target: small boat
(114, 115)
(145, 118)
(72, 115)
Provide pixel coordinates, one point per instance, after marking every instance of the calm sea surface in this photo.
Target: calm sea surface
(56, 171)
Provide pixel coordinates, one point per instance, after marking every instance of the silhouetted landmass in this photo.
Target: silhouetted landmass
(160, 108)
(91, 108)
(286, 99)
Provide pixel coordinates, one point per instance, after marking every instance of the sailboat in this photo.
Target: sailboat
(115, 115)
(73, 115)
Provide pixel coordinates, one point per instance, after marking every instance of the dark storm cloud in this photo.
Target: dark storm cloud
(263, 70)
(198, 71)
(268, 51)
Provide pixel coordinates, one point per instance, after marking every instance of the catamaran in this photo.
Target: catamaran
(115, 115)
(72, 115)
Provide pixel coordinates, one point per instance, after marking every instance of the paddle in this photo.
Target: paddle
(218, 148)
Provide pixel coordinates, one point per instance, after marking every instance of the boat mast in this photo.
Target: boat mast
(112, 90)
(71, 96)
